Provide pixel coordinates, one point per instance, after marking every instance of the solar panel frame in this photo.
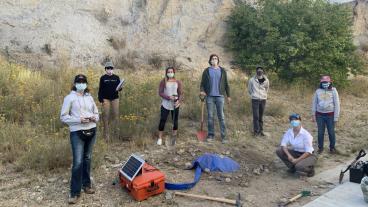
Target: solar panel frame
(132, 167)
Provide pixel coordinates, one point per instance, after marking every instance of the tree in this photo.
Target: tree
(298, 39)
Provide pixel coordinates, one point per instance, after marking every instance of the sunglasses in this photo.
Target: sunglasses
(109, 68)
(81, 81)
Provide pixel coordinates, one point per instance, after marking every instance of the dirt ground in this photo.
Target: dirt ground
(261, 181)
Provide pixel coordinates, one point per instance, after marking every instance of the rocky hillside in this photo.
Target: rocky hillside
(44, 33)
(82, 33)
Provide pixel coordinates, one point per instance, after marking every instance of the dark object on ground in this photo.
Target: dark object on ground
(360, 155)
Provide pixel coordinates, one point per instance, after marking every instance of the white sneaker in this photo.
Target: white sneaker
(159, 141)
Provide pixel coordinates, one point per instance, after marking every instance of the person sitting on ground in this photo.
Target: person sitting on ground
(300, 156)
(171, 92)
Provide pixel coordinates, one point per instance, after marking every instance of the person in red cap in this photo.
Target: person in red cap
(326, 111)
(171, 92)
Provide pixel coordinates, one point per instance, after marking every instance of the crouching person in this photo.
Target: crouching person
(80, 112)
(296, 149)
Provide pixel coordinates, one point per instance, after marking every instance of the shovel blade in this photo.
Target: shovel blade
(201, 135)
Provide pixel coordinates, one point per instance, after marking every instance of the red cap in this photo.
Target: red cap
(325, 78)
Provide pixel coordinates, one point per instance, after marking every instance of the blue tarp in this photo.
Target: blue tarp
(210, 163)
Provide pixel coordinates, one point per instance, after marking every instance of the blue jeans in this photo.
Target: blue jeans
(218, 103)
(82, 154)
(323, 121)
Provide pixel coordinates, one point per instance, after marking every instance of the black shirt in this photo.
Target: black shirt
(107, 88)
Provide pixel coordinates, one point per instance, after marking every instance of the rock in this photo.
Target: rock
(39, 198)
(51, 180)
(169, 195)
(227, 152)
(65, 181)
(188, 165)
(228, 180)
(284, 200)
(176, 159)
(180, 151)
(193, 154)
(266, 170)
(207, 170)
(256, 171)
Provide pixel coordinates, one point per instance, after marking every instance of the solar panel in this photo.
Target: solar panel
(132, 167)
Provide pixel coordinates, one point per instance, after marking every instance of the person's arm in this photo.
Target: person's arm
(337, 104)
(308, 148)
(95, 117)
(250, 89)
(284, 144)
(314, 106)
(119, 83)
(267, 84)
(100, 89)
(203, 80)
(65, 116)
(161, 91)
(227, 86)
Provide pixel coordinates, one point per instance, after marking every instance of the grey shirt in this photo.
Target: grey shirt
(258, 90)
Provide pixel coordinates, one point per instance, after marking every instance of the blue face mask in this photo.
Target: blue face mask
(80, 86)
(325, 85)
(295, 123)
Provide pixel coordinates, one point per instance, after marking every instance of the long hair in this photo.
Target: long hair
(167, 78)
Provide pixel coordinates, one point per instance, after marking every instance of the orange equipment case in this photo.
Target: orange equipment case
(150, 182)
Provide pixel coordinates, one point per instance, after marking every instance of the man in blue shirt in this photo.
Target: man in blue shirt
(214, 86)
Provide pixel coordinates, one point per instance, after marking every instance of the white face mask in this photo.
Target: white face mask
(109, 71)
(214, 62)
(80, 87)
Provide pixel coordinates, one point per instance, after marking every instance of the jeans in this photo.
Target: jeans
(258, 107)
(218, 103)
(324, 120)
(165, 114)
(82, 154)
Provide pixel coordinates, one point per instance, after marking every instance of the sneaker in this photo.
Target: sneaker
(262, 134)
(159, 141)
(320, 150)
(89, 190)
(210, 139)
(224, 141)
(73, 199)
(291, 170)
(255, 134)
(311, 173)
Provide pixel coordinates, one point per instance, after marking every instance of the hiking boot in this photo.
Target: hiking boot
(291, 170)
(320, 150)
(311, 173)
(73, 199)
(89, 190)
(334, 151)
(262, 134)
(255, 134)
(224, 141)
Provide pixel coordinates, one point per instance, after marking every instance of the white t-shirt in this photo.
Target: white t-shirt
(301, 143)
(170, 90)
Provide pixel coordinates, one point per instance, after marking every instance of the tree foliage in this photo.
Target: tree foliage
(297, 39)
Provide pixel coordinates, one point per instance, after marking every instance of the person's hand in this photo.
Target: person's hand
(177, 104)
(85, 120)
(202, 93)
(313, 118)
(336, 123)
(228, 100)
(172, 98)
(92, 118)
(294, 161)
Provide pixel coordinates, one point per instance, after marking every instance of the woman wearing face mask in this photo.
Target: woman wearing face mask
(171, 92)
(80, 112)
(299, 157)
(326, 111)
(109, 98)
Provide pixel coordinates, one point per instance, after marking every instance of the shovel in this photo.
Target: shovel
(360, 155)
(201, 135)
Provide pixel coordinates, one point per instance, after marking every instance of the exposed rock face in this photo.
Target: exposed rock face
(85, 32)
(360, 28)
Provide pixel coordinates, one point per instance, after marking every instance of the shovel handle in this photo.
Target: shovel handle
(223, 200)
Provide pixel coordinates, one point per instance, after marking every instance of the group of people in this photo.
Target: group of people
(80, 112)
